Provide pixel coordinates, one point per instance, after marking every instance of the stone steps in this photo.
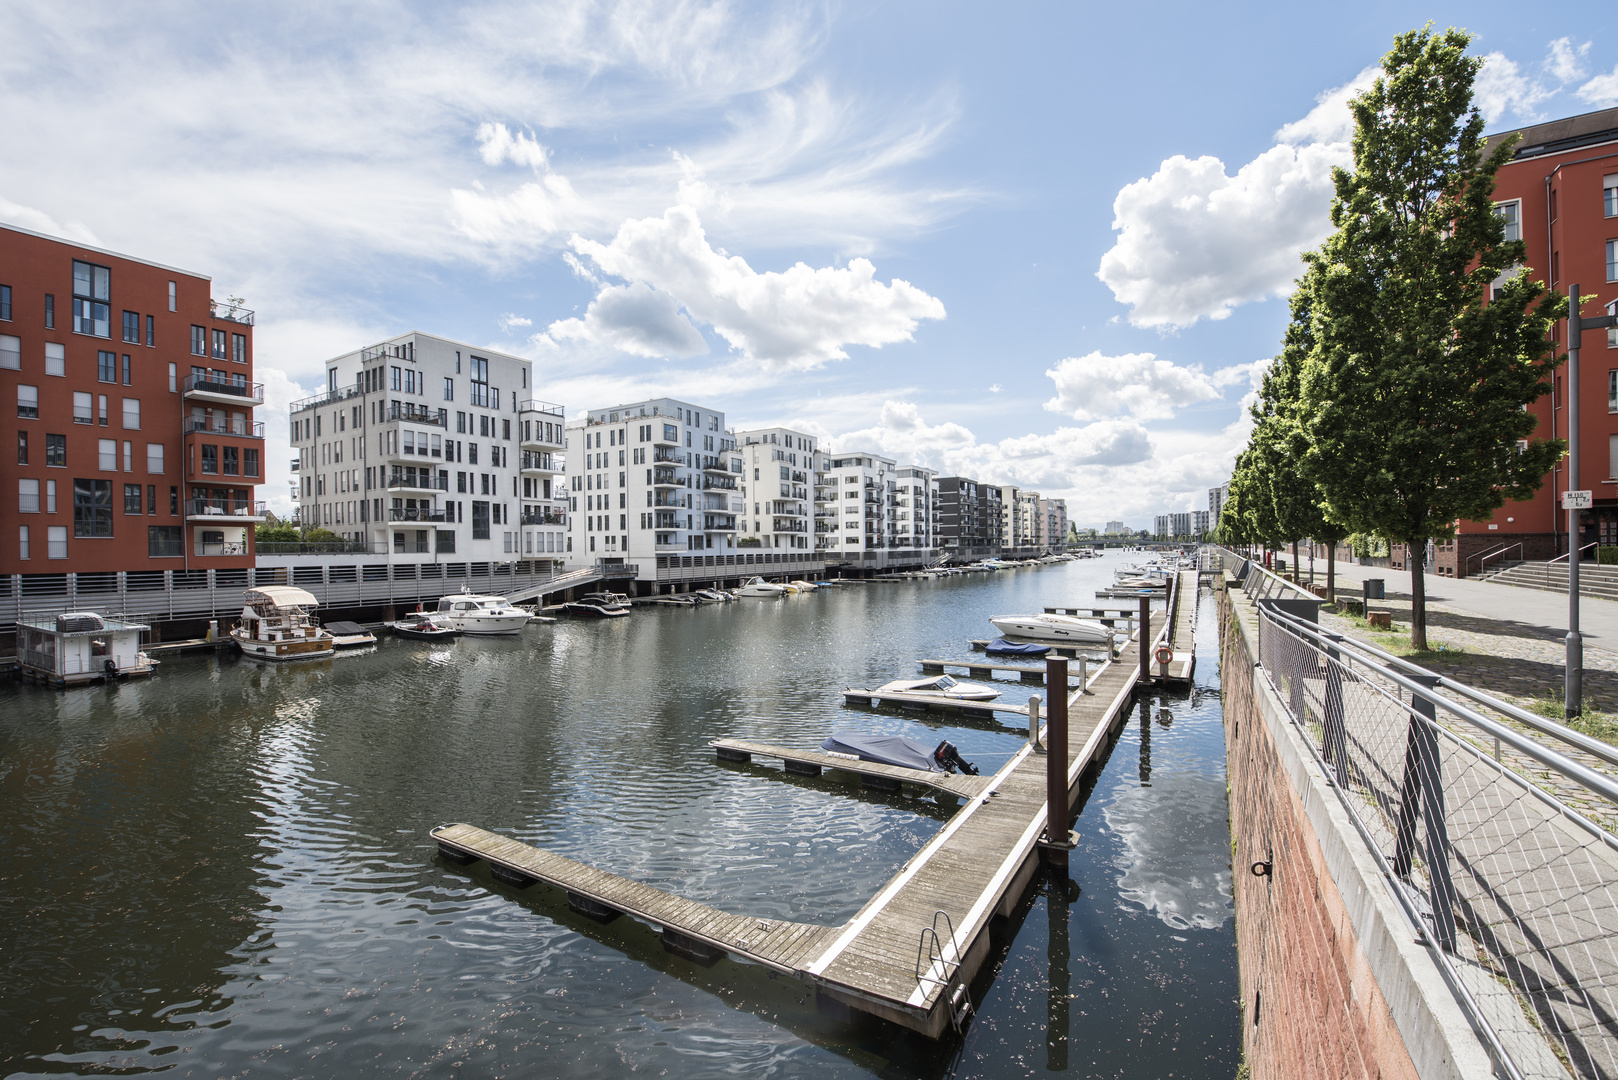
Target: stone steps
(1594, 580)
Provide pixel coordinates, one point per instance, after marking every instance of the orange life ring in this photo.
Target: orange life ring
(1163, 655)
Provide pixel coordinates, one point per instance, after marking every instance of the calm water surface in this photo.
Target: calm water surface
(225, 870)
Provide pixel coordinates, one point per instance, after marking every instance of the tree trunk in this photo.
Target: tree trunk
(1297, 577)
(1418, 600)
(1331, 571)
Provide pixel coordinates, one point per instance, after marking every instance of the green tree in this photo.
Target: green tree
(1415, 391)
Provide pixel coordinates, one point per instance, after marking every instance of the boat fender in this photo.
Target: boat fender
(110, 666)
(949, 759)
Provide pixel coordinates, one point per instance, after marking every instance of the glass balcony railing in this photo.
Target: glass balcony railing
(415, 513)
(417, 414)
(222, 426)
(543, 517)
(222, 384)
(224, 508)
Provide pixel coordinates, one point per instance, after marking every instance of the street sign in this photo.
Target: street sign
(1576, 500)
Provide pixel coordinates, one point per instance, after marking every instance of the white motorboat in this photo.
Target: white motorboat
(601, 605)
(806, 586)
(759, 587)
(943, 686)
(276, 625)
(713, 596)
(349, 635)
(480, 614)
(1059, 628)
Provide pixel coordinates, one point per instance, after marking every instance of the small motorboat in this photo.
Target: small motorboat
(276, 626)
(599, 605)
(759, 587)
(349, 635)
(713, 596)
(684, 600)
(805, 586)
(422, 627)
(1059, 628)
(898, 750)
(475, 613)
(943, 686)
(1002, 647)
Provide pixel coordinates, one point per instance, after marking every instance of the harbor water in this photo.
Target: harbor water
(225, 870)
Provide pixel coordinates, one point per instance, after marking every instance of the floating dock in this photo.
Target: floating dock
(983, 669)
(912, 950)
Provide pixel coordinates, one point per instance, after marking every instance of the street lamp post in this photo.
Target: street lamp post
(1573, 687)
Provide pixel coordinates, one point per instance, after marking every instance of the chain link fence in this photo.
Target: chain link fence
(1515, 890)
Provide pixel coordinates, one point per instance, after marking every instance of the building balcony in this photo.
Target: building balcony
(541, 462)
(719, 483)
(224, 511)
(715, 465)
(417, 480)
(670, 547)
(789, 525)
(223, 389)
(297, 463)
(230, 312)
(415, 515)
(543, 517)
(549, 409)
(665, 478)
(663, 455)
(340, 394)
(241, 429)
(669, 502)
(719, 523)
(417, 414)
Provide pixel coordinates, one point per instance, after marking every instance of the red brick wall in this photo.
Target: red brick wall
(1310, 1006)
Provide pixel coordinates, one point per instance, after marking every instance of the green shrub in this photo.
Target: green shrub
(1607, 556)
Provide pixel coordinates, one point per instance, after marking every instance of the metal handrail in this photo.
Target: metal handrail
(1496, 554)
(1582, 550)
(1587, 777)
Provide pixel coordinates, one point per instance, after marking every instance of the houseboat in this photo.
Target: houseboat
(80, 646)
(276, 626)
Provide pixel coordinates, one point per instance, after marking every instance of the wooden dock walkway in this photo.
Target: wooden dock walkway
(811, 762)
(983, 669)
(857, 696)
(911, 951)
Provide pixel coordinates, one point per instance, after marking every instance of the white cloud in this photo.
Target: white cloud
(39, 221)
(510, 319)
(1503, 89)
(1565, 61)
(796, 319)
(496, 144)
(1330, 121)
(1601, 91)
(1097, 387)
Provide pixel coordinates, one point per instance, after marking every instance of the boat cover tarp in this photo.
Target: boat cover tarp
(346, 628)
(1004, 647)
(883, 749)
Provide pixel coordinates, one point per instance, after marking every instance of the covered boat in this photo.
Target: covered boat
(349, 635)
(276, 625)
(1003, 647)
(898, 750)
(423, 628)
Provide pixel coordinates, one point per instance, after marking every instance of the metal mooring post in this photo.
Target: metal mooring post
(1033, 723)
(1056, 838)
(1424, 785)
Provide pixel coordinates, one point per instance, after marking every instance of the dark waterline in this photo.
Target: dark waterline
(225, 870)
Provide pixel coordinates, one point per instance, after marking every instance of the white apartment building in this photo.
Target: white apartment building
(1053, 513)
(916, 514)
(425, 446)
(654, 484)
(861, 504)
(778, 489)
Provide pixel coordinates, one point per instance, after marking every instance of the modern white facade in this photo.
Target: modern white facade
(861, 502)
(1053, 513)
(425, 446)
(916, 514)
(778, 488)
(651, 481)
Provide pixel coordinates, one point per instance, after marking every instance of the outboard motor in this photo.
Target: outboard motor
(949, 759)
(110, 666)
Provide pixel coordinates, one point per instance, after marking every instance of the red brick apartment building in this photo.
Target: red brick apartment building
(1559, 194)
(136, 444)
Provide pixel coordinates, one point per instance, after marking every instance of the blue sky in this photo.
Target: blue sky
(1038, 244)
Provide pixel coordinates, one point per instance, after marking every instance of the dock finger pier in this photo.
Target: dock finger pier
(911, 951)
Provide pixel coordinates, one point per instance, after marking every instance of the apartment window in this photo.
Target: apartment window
(56, 359)
(28, 402)
(238, 348)
(151, 500)
(449, 388)
(10, 352)
(219, 338)
(55, 451)
(173, 299)
(92, 288)
(131, 414)
(1510, 215)
(92, 508)
(108, 454)
(174, 501)
(5, 302)
(132, 327)
(22, 448)
(232, 462)
(480, 519)
(174, 378)
(132, 499)
(27, 496)
(165, 541)
(106, 366)
(1612, 391)
(101, 409)
(396, 378)
(50, 311)
(199, 341)
(56, 542)
(129, 456)
(22, 541)
(210, 458)
(1612, 260)
(250, 462)
(481, 397)
(151, 331)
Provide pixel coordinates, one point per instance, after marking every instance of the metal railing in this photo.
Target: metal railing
(230, 312)
(1563, 557)
(532, 405)
(222, 426)
(224, 508)
(1495, 554)
(1473, 825)
(417, 414)
(223, 384)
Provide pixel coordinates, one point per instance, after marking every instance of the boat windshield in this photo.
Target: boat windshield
(944, 682)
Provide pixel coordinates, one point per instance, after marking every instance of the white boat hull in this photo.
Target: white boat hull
(482, 625)
(1062, 629)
